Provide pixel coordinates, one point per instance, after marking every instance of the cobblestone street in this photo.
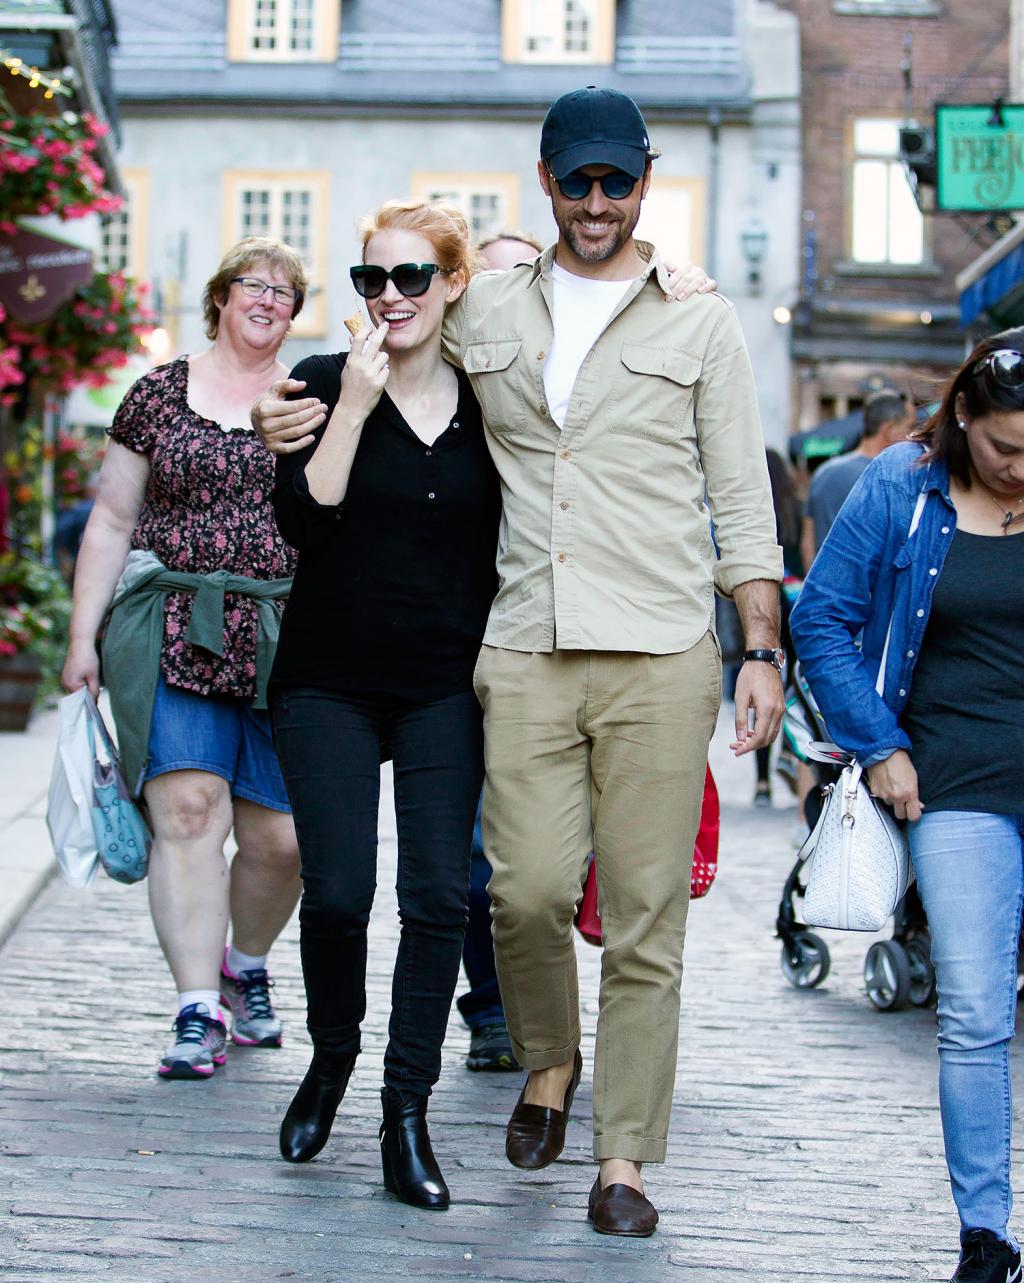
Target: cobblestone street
(805, 1143)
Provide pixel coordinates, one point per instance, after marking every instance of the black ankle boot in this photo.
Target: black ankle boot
(306, 1126)
(410, 1168)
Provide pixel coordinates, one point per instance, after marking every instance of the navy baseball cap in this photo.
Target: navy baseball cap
(595, 127)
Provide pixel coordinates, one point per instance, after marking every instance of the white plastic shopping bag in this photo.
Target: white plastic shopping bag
(69, 806)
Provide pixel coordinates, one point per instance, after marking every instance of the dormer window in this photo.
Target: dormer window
(283, 30)
(559, 31)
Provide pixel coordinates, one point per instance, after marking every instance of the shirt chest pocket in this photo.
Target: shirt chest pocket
(494, 371)
(654, 392)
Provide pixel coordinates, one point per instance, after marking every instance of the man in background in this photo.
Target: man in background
(888, 418)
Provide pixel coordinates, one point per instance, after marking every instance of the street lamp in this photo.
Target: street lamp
(754, 240)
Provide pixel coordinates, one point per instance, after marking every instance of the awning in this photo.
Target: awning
(835, 436)
(993, 285)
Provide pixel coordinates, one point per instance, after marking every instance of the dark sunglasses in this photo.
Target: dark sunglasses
(409, 279)
(1005, 367)
(577, 186)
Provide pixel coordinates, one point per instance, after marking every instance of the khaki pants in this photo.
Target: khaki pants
(604, 751)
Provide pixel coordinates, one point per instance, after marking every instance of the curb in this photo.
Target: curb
(27, 865)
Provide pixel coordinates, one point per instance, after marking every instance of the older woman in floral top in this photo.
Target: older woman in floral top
(185, 488)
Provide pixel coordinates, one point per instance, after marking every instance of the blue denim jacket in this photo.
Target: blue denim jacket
(867, 573)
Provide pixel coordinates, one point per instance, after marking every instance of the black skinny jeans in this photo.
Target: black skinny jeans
(330, 748)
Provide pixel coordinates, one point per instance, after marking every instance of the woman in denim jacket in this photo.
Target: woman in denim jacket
(944, 743)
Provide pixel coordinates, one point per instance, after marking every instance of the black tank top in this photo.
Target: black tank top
(965, 714)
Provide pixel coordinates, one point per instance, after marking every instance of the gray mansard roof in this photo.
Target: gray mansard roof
(432, 54)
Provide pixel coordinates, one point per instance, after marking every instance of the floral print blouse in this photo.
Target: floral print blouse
(207, 507)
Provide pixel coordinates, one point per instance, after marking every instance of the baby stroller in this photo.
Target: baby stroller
(898, 971)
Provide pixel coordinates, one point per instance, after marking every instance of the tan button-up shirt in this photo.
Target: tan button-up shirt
(605, 541)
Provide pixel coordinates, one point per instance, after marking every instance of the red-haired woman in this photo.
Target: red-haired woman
(393, 508)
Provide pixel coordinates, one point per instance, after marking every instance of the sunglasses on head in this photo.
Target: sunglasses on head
(1005, 367)
(616, 185)
(409, 279)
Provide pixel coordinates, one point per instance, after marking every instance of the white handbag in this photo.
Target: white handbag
(859, 858)
(857, 854)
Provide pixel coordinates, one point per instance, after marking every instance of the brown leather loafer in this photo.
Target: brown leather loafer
(536, 1134)
(620, 1209)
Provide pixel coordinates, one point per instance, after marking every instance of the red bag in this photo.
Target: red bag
(705, 865)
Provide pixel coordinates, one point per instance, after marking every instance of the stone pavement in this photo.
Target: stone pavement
(805, 1144)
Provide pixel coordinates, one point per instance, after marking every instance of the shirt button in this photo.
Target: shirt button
(945, 530)
(561, 556)
(920, 614)
(431, 495)
(933, 571)
(903, 692)
(455, 423)
(565, 454)
(540, 356)
(429, 453)
(910, 654)
(563, 505)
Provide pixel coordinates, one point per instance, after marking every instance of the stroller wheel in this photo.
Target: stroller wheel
(922, 973)
(805, 961)
(887, 975)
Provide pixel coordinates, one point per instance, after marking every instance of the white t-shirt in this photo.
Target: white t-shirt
(581, 310)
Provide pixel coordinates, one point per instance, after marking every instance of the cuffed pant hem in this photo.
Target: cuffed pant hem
(545, 1059)
(637, 1149)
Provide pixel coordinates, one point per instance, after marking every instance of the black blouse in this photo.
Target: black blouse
(394, 584)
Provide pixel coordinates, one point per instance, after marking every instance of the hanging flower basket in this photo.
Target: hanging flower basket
(48, 166)
(96, 332)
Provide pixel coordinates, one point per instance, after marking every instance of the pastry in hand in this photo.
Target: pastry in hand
(354, 323)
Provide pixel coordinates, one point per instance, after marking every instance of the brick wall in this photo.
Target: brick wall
(851, 67)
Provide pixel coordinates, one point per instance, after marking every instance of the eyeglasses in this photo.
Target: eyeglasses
(1006, 367)
(409, 279)
(616, 185)
(254, 288)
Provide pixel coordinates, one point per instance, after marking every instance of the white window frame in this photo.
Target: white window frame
(526, 21)
(863, 204)
(243, 32)
(276, 185)
(132, 222)
(462, 189)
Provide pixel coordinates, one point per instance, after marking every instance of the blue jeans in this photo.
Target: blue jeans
(970, 873)
(482, 1004)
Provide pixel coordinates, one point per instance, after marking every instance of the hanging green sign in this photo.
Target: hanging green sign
(979, 153)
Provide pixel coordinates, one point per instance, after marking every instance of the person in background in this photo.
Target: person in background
(888, 418)
(505, 250)
(787, 532)
(942, 609)
(185, 489)
(490, 1048)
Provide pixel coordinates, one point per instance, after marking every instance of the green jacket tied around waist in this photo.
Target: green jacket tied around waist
(133, 638)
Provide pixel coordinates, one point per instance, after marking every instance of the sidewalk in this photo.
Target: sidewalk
(805, 1144)
(26, 859)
